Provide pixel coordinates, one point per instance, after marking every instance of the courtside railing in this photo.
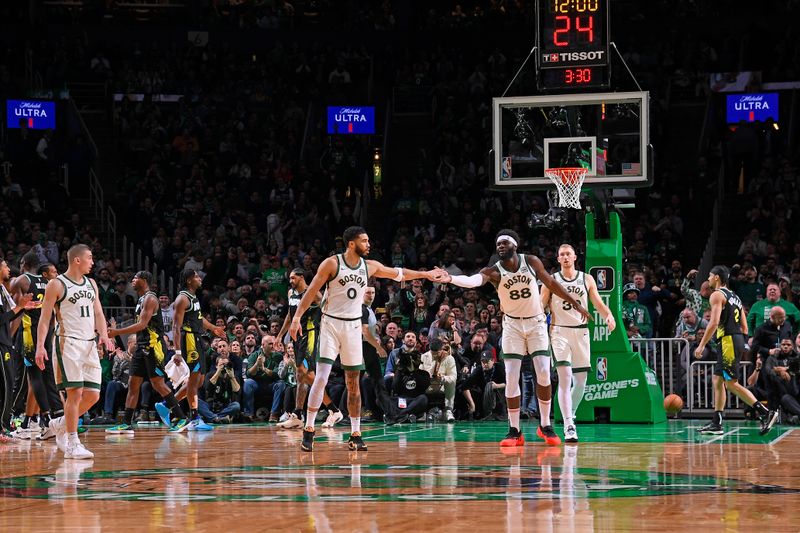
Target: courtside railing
(678, 372)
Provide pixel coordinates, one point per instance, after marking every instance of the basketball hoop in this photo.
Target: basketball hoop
(568, 182)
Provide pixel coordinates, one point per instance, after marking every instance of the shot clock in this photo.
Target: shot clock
(572, 43)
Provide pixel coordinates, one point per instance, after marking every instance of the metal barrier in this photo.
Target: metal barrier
(672, 359)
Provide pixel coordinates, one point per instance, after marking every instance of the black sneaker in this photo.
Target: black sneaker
(712, 428)
(308, 440)
(356, 443)
(768, 421)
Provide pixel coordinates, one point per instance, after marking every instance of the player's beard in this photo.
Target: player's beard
(508, 254)
(361, 251)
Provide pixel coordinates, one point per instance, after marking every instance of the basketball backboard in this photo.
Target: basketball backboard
(608, 133)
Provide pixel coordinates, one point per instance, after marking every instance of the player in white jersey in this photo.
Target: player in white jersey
(345, 276)
(524, 327)
(79, 320)
(569, 335)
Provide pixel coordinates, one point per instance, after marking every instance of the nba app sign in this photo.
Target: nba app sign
(347, 120)
(756, 107)
(37, 114)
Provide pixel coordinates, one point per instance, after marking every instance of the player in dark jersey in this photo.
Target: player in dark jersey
(149, 359)
(305, 350)
(188, 326)
(729, 324)
(42, 392)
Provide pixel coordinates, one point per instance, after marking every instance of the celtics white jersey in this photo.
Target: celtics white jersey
(345, 292)
(561, 311)
(75, 310)
(518, 291)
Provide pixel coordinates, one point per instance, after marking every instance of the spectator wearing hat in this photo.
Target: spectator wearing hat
(634, 313)
(489, 381)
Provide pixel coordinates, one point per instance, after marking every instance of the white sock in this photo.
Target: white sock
(355, 424)
(544, 412)
(513, 418)
(578, 387)
(72, 438)
(311, 417)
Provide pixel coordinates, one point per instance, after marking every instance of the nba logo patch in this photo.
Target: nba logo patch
(505, 170)
(602, 369)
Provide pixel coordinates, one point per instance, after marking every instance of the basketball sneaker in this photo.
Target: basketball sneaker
(308, 440)
(570, 434)
(76, 450)
(334, 417)
(356, 443)
(767, 421)
(513, 438)
(45, 433)
(59, 426)
(549, 436)
(163, 413)
(21, 433)
(448, 416)
(179, 426)
(293, 422)
(120, 429)
(712, 428)
(198, 424)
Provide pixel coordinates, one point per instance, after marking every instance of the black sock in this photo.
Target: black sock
(332, 407)
(299, 413)
(174, 407)
(760, 409)
(25, 422)
(717, 417)
(128, 418)
(44, 419)
(193, 414)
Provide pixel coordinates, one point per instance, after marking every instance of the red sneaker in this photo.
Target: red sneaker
(514, 438)
(549, 436)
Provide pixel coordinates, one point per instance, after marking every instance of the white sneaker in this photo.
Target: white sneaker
(448, 416)
(333, 418)
(284, 417)
(59, 426)
(293, 422)
(22, 433)
(45, 433)
(570, 434)
(75, 450)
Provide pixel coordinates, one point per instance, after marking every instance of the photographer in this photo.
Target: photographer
(410, 383)
(776, 369)
(221, 387)
(441, 366)
(489, 381)
(409, 345)
(791, 400)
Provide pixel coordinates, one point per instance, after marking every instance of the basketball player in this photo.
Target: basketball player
(188, 325)
(346, 278)
(729, 323)
(524, 327)
(79, 317)
(41, 383)
(305, 350)
(149, 358)
(569, 335)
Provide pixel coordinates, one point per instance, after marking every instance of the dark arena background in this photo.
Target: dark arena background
(214, 157)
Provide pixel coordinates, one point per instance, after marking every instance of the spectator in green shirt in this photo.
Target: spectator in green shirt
(759, 312)
(635, 313)
(747, 287)
(276, 276)
(261, 377)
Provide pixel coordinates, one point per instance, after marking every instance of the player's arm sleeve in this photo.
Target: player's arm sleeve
(468, 282)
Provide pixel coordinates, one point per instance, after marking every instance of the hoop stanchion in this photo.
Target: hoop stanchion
(568, 182)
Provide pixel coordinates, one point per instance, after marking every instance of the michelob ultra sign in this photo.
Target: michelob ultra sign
(36, 114)
(343, 120)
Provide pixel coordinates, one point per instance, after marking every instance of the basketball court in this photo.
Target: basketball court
(431, 477)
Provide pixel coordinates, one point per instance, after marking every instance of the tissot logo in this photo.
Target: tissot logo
(563, 57)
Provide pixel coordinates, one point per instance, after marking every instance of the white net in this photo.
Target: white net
(568, 182)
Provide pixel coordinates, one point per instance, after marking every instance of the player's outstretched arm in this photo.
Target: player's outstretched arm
(379, 270)
(148, 310)
(555, 287)
(470, 282)
(599, 304)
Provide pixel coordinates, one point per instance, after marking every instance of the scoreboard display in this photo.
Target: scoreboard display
(572, 41)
